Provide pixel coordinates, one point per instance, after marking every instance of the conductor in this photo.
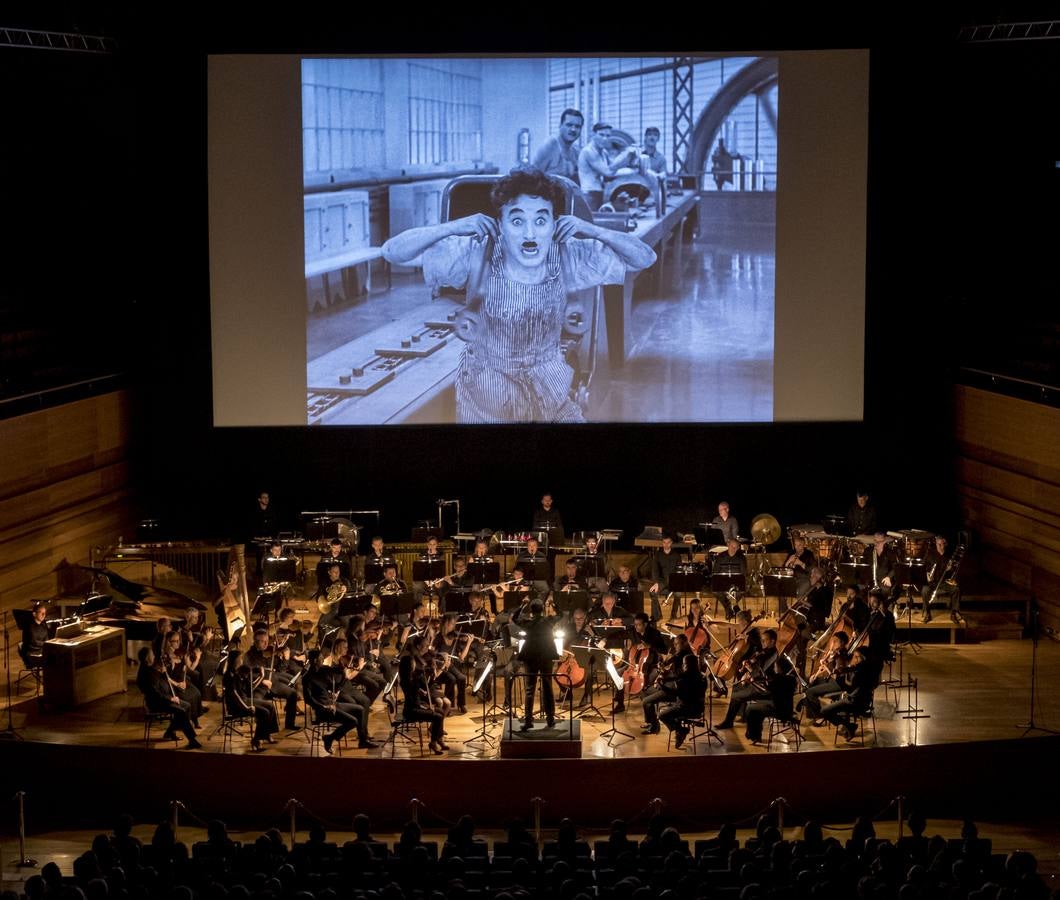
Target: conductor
(538, 654)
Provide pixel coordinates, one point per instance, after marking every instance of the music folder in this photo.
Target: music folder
(568, 601)
(485, 573)
(534, 569)
(424, 570)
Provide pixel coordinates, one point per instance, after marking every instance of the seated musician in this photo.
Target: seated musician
(643, 636)
(202, 639)
(391, 584)
(519, 584)
(368, 675)
(664, 685)
(377, 636)
(689, 690)
(858, 683)
(454, 647)
(940, 587)
(181, 664)
(289, 633)
(431, 555)
(881, 627)
(801, 560)
(882, 561)
(857, 606)
(34, 634)
(752, 684)
(594, 562)
(819, 597)
(160, 698)
(777, 701)
(335, 556)
(322, 697)
(571, 581)
(261, 658)
(663, 565)
(825, 681)
(460, 579)
(731, 562)
(339, 672)
(534, 556)
(479, 609)
(327, 597)
(623, 584)
(163, 626)
(240, 700)
(414, 673)
(482, 554)
(725, 522)
(608, 609)
(578, 632)
(378, 553)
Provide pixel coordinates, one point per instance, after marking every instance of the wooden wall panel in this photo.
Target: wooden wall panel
(1008, 474)
(64, 488)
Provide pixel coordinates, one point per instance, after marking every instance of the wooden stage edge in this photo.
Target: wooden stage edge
(85, 786)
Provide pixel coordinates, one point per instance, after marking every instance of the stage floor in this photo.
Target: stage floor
(968, 692)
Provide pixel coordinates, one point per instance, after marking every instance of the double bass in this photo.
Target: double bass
(568, 673)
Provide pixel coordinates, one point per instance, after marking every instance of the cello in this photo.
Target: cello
(633, 676)
(568, 673)
(725, 666)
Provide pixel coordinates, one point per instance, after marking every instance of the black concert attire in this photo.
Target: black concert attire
(260, 662)
(819, 605)
(826, 685)
(565, 584)
(190, 694)
(462, 583)
(209, 657)
(882, 565)
(859, 682)
(454, 678)
(349, 691)
(33, 637)
(321, 692)
(369, 677)
(778, 701)
(415, 686)
(331, 620)
(935, 564)
(622, 589)
(663, 565)
(598, 615)
(538, 655)
(743, 692)
(802, 564)
(882, 630)
(159, 699)
(862, 521)
(690, 690)
(729, 564)
(240, 700)
(583, 637)
(591, 563)
(551, 521)
(730, 528)
(326, 562)
(666, 689)
(539, 559)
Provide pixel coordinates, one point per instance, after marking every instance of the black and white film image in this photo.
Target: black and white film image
(539, 239)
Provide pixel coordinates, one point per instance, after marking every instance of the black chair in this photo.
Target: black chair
(697, 727)
(859, 719)
(789, 726)
(233, 725)
(151, 719)
(400, 728)
(33, 667)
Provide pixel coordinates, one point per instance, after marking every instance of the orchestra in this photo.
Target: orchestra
(339, 660)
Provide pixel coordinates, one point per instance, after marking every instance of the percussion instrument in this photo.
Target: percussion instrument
(913, 544)
(780, 582)
(804, 531)
(826, 546)
(765, 529)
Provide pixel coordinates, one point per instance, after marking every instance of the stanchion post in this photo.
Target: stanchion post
(174, 815)
(415, 804)
(781, 803)
(23, 861)
(292, 807)
(656, 806)
(901, 816)
(537, 802)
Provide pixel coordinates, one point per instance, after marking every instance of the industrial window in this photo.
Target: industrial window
(445, 111)
(342, 115)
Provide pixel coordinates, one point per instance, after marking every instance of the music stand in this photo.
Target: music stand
(590, 566)
(482, 736)
(394, 605)
(568, 601)
(616, 685)
(534, 569)
(512, 600)
(373, 571)
(353, 604)
(265, 604)
(457, 600)
(428, 570)
(485, 572)
(586, 657)
(722, 583)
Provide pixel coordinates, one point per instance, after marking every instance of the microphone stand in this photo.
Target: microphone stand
(1028, 726)
(9, 733)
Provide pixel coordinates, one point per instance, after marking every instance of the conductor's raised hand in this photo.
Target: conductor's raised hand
(477, 225)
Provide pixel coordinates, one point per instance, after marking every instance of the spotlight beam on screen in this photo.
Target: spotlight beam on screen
(373, 262)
